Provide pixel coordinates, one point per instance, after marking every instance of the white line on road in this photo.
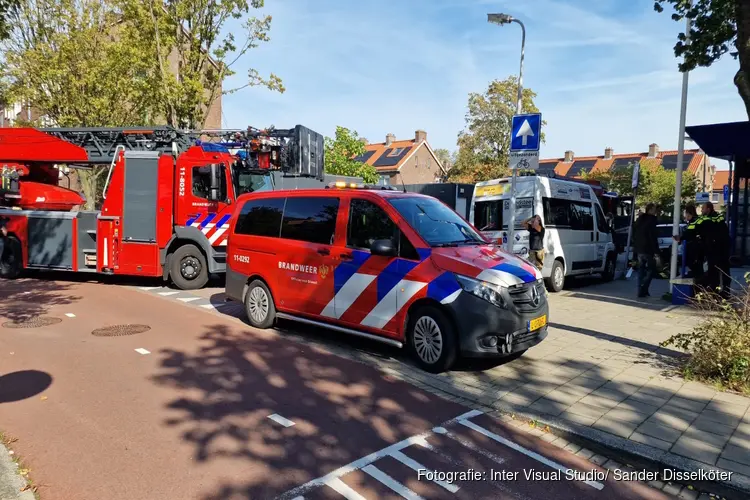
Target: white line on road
(70, 315)
(416, 467)
(166, 294)
(187, 299)
(281, 420)
(521, 449)
(208, 306)
(391, 483)
(368, 459)
(141, 350)
(149, 288)
(344, 489)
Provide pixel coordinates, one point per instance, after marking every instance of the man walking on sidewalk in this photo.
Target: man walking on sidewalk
(646, 243)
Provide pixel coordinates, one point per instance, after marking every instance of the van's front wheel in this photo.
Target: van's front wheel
(432, 339)
(259, 306)
(556, 280)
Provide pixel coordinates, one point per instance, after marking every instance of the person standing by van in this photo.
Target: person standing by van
(647, 247)
(536, 240)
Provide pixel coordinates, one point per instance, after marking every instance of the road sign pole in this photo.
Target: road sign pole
(514, 172)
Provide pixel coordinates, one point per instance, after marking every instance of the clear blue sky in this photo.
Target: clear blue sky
(604, 70)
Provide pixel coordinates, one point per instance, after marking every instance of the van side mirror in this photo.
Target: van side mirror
(383, 248)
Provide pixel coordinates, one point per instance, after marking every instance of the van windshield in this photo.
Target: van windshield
(437, 224)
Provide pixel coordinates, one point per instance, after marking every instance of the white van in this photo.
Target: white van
(578, 240)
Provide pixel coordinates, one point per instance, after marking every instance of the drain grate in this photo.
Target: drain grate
(34, 322)
(120, 330)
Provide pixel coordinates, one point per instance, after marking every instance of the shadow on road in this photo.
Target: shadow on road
(17, 386)
(342, 410)
(24, 299)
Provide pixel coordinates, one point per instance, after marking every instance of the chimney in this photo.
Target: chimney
(568, 156)
(608, 153)
(653, 150)
(420, 136)
(389, 139)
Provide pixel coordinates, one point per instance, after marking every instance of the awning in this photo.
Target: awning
(726, 141)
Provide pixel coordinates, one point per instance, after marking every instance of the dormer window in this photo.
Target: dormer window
(396, 151)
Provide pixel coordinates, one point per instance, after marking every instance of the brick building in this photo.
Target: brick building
(407, 161)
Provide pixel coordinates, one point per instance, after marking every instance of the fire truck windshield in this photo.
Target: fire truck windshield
(246, 182)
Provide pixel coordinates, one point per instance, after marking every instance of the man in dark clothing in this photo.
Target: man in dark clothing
(646, 243)
(694, 255)
(717, 251)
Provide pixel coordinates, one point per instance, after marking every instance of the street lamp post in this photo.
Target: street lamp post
(501, 19)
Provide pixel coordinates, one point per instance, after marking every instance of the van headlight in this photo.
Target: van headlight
(485, 291)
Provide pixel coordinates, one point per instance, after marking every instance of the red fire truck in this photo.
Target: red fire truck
(167, 202)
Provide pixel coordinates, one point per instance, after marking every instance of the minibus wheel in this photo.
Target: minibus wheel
(556, 279)
(431, 339)
(609, 269)
(259, 306)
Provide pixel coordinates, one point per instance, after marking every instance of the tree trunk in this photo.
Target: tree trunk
(742, 78)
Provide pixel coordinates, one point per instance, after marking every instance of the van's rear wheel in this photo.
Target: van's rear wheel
(11, 261)
(609, 269)
(187, 268)
(259, 306)
(431, 339)
(556, 280)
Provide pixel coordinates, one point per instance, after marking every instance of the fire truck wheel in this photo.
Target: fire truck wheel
(11, 262)
(259, 306)
(187, 268)
(431, 339)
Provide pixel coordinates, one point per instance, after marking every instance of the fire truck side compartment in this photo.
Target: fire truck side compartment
(86, 239)
(140, 196)
(50, 239)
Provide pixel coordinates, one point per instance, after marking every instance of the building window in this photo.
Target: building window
(395, 151)
(715, 197)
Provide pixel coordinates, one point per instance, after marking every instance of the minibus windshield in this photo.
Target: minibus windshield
(437, 224)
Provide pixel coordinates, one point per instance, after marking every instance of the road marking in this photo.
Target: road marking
(475, 448)
(344, 489)
(149, 288)
(521, 449)
(391, 483)
(281, 420)
(416, 467)
(208, 306)
(187, 299)
(165, 294)
(419, 439)
(141, 350)
(70, 315)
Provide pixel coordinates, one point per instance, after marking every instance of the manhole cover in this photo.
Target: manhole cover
(120, 330)
(35, 322)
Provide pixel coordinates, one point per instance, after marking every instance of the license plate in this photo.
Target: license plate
(536, 324)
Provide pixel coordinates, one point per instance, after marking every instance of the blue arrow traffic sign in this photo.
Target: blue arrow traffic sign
(726, 192)
(526, 132)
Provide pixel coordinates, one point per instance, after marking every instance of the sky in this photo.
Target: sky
(604, 72)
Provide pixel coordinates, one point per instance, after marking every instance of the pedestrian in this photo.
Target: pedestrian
(718, 249)
(693, 253)
(536, 240)
(646, 243)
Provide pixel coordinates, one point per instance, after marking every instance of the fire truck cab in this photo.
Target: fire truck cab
(168, 196)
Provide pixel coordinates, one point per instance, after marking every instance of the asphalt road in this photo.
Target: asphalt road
(201, 406)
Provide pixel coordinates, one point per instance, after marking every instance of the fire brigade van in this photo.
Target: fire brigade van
(395, 267)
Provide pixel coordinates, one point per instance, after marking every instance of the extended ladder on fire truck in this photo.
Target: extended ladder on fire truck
(152, 223)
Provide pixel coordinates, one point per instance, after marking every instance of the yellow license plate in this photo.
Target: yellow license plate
(536, 324)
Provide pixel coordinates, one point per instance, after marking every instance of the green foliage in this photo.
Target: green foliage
(189, 31)
(340, 153)
(7, 7)
(720, 344)
(714, 32)
(484, 143)
(656, 184)
(446, 158)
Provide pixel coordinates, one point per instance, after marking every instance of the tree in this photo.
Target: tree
(484, 143)
(6, 9)
(446, 158)
(340, 153)
(718, 27)
(189, 32)
(655, 184)
(60, 56)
